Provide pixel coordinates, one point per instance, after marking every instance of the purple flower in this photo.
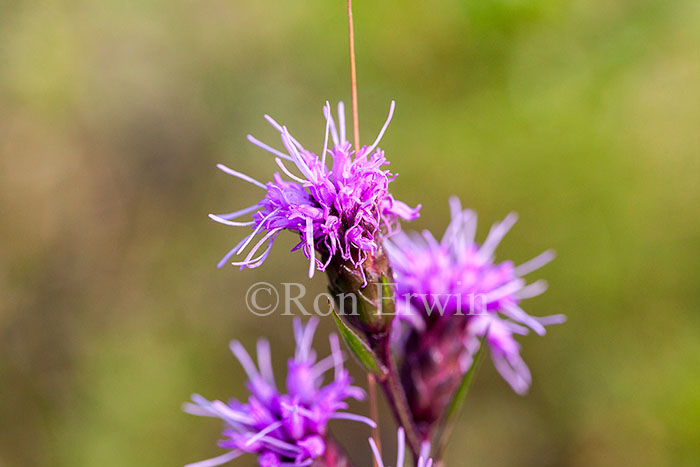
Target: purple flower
(337, 209)
(423, 460)
(455, 283)
(284, 429)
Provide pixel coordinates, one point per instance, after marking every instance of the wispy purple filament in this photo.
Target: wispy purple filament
(422, 461)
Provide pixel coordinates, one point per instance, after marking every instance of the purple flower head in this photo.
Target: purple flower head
(338, 207)
(423, 459)
(457, 278)
(283, 429)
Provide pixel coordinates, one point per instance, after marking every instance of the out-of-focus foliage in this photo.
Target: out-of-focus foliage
(582, 115)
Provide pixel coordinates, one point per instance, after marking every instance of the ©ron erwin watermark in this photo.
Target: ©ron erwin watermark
(290, 298)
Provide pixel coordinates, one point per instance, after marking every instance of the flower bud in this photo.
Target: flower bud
(364, 294)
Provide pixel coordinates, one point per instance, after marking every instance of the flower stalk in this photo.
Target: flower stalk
(396, 396)
(371, 381)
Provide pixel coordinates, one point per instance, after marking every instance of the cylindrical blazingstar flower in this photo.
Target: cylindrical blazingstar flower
(453, 293)
(422, 461)
(339, 208)
(283, 429)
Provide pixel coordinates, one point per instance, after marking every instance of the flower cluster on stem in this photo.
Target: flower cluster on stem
(338, 203)
(459, 297)
(284, 428)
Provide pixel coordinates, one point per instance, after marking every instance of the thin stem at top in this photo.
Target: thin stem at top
(353, 79)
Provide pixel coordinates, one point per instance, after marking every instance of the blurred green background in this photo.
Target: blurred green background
(581, 115)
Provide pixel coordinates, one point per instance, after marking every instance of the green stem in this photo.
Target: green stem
(396, 396)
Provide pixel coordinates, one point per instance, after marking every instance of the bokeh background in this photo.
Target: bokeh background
(581, 115)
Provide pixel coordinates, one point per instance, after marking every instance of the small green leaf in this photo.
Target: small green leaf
(458, 399)
(360, 348)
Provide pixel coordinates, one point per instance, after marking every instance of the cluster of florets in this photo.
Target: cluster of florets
(283, 428)
(339, 209)
(457, 278)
